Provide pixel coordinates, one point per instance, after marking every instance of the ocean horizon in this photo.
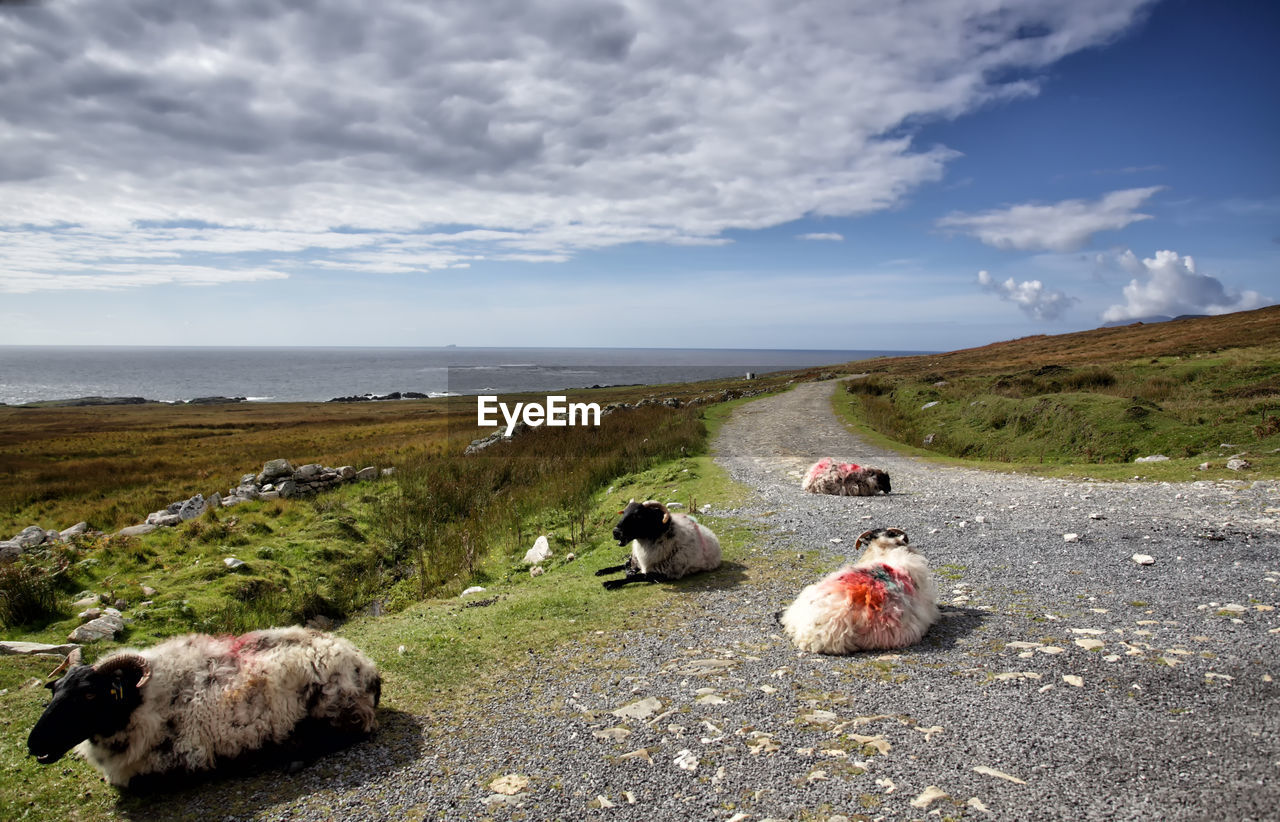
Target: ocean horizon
(317, 374)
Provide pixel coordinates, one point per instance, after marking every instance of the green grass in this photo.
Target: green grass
(451, 651)
(1082, 419)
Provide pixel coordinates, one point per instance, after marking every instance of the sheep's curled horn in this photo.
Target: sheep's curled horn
(111, 664)
(666, 515)
(72, 659)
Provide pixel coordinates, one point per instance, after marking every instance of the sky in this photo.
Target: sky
(851, 174)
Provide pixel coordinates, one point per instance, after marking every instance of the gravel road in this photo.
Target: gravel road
(1063, 682)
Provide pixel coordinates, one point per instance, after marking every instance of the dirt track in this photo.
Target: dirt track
(1064, 680)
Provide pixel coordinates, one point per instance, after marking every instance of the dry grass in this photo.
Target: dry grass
(112, 465)
(1177, 338)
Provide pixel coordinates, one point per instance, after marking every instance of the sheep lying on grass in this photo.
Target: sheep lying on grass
(887, 599)
(666, 546)
(193, 701)
(844, 479)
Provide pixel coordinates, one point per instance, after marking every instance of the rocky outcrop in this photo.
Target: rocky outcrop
(278, 478)
(394, 395)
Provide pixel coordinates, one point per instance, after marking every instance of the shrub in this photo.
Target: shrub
(445, 513)
(28, 593)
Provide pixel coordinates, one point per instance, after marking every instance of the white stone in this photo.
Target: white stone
(641, 709)
(686, 760)
(1143, 559)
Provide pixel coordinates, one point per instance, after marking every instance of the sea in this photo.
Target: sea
(40, 373)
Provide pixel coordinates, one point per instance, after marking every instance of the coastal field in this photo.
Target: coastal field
(386, 560)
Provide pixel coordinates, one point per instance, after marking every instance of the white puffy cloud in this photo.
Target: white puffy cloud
(1064, 226)
(1169, 285)
(559, 126)
(1029, 295)
(829, 236)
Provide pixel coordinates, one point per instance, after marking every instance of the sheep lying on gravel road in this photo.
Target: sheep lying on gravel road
(666, 546)
(887, 599)
(826, 476)
(190, 702)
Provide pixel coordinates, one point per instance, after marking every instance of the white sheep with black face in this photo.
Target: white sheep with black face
(664, 546)
(844, 479)
(887, 599)
(191, 702)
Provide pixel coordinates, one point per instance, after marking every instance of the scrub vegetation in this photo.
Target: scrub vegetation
(1195, 390)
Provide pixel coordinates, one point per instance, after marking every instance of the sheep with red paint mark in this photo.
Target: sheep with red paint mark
(887, 599)
(195, 701)
(664, 546)
(844, 479)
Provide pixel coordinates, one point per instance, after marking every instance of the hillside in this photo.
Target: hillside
(1200, 391)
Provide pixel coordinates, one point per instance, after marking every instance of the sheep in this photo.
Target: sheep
(666, 546)
(191, 702)
(844, 479)
(887, 599)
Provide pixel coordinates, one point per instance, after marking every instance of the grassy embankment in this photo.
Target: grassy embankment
(449, 649)
(1087, 404)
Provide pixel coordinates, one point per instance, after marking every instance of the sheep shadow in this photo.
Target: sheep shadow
(728, 575)
(954, 624)
(244, 786)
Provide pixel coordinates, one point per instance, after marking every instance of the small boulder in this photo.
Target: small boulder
(274, 469)
(106, 626)
(136, 530)
(192, 508)
(24, 648)
(368, 473)
(30, 537)
(307, 471)
(1239, 464)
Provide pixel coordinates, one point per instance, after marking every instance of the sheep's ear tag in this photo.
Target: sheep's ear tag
(117, 690)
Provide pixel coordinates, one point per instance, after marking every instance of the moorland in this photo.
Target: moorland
(388, 559)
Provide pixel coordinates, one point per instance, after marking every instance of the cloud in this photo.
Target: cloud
(1169, 285)
(1068, 225)
(562, 125)
(839, 238)
(1029, 295)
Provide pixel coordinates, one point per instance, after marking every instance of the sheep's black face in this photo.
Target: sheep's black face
(641, 521)
(882, 480)
(893, 535)
(85, 704)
